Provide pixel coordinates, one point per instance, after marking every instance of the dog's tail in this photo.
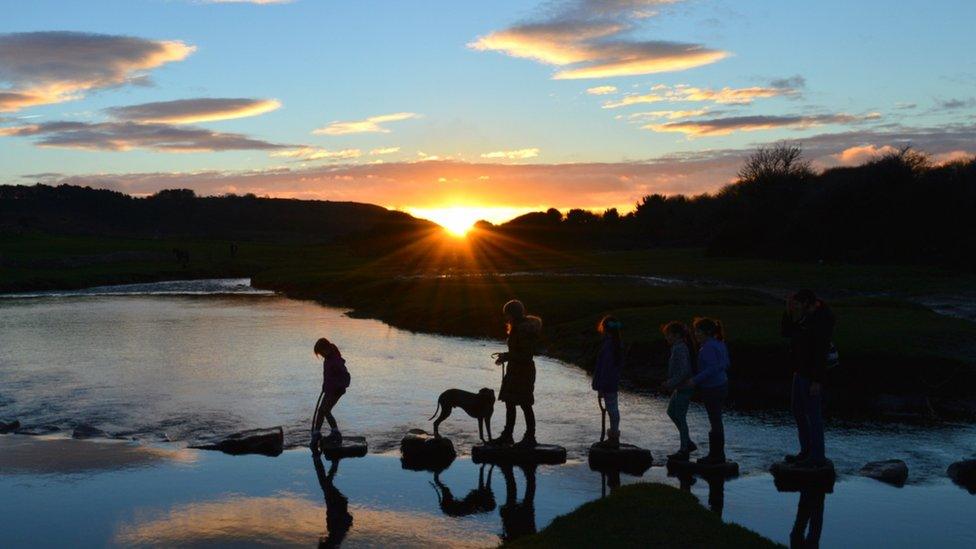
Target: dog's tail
(438, 409)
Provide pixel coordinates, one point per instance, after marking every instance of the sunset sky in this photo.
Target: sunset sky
(503, 106)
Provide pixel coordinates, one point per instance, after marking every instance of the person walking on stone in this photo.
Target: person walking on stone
(712, 381)
(606, 375)
(518, 381)
(680, 370)
(335, 381)
(809, 324)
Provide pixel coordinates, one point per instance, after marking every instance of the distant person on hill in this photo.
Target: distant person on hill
(606, 375)
(518, 382)
(712, 381)
(335, 381)
(809, 324)
(680, 370)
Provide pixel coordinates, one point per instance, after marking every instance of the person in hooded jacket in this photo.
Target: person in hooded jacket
(518, 382)
(606, 375)
(335, 381)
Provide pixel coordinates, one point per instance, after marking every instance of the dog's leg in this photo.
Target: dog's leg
(488, 425)
(445, 412)
(481, 430)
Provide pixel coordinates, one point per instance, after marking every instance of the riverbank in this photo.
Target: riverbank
(898, 357)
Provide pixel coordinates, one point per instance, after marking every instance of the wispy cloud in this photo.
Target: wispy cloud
(725, 126)
(518, 154)
(690, 94)
(191, 111)
(40, 68)
(384, 150)
(588, 39)
(601, 90)
(123, 136)
(373, 124)
(315, 153)
(668, 115)
(952, 104)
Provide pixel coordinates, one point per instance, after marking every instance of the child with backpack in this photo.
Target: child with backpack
(335, 381)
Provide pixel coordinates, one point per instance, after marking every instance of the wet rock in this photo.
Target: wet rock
(548, 454)
(892, 471)
(87, 431)
(38, 430)
(9, 427)
(268, 442)
(727, 469)
(421, 451)
(791, 478)
(349, 447)
(963, 473)
(628, 458)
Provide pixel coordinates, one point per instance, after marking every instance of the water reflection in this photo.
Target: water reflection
(338, 520)
(716, 488)
(809, 519)
(518, 517)
(478, 500)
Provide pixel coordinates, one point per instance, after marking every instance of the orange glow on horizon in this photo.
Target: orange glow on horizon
(458, 220)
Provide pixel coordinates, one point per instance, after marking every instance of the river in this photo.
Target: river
(175, 363)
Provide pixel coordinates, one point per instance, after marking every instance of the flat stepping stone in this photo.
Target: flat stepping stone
(727, 469)
(628, 458)
(422, 451)
(541, 454)
(790, 478)
(963, 473)
(892, 471)
(267, 442)
(9, 427)
(348, 448)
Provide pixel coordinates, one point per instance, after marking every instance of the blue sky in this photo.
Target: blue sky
(860, 77)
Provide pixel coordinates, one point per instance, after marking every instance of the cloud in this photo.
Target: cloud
(384, 150)
(370, 125)
(601, 90)
(40, 68)
(725, 126)
(668, 115)
(191, 111)
(859, 154)
(520, 154)
(795, 82)
(683, 93)
(952, 104)
(587, 39)
(123, 136)
(315, 153)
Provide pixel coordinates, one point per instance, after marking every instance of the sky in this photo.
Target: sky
(472, 109)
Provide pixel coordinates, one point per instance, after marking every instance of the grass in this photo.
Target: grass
(643, 515)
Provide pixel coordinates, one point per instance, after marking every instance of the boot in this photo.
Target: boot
(716, 451)
(334, 438)
(504, 439)
(613, 439)
(794, 458)
(528, 441)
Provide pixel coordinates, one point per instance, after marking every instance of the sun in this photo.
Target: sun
(458, 220)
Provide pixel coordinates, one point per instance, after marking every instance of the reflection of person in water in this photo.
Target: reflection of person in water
(478, 500)
(518, 518)
(809, 512)
(337, 517)
(716, 494)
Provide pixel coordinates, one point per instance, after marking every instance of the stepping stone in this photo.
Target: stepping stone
(542, 454)
(87, 431)
(267, 442)
(422, 451)
(628, 458)
(726, 469)
(790, 478)
(9, 427)
(892, 471)
(963, 473)
(349, 447)
(38, 430)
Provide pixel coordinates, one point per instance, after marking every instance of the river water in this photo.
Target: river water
(183, 362)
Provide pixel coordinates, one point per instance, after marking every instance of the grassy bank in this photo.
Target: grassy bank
(643, 515)
(896, 356)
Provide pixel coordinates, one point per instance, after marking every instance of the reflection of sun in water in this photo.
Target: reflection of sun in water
(458, 220)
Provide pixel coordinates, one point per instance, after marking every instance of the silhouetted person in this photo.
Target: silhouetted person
(518, 382)
(335, 381)
(809, 513)
(338, 521)
(478, 500)
(518, 518)
(809, 324)
(712, 382)
(680, 370)
(606, 376)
